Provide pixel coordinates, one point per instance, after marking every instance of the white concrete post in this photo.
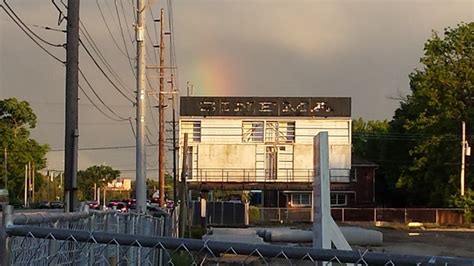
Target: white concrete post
(325, 230)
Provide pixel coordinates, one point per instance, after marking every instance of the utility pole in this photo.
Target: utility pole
(463, 155)
(72, 97)
(140, 173)
(32, 182)
(30, 186)
(183, 191)
(5, 166)
(175, 147)
(25, 195)
(161, 141)
(465, 151)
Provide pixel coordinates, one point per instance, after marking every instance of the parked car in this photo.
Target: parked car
(120, 206)
(156, 211)
(169, 204)
(93, 204)
(56, 205)
(43, 204)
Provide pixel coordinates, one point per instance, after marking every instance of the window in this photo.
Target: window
(338, 199)
(189, 163)
(290, 132)
(271, 132)
(281, 132)
(353, 174)
(299, 200)
(252, 131)
(339, 175)
(193, 128)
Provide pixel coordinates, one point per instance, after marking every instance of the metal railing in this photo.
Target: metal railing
(73, 242)
(248, 175)
(441, 216)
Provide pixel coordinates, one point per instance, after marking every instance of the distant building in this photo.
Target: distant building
(266, 143)
(120, 184)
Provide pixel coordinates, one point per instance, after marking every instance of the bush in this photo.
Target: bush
(466, 202)
(196, 232)
(254, 214)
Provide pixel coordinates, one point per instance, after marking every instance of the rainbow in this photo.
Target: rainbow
(213, 78)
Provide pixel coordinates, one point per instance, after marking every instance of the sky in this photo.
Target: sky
(359, 49)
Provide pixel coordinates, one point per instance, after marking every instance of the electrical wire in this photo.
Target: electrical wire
(133, 130)
(38, 26)
(149, 35)
(126, 21)
(121, 118)
(30, 30)
(32, 38)
(123, 39)
(97, 107)
(102, 58)
(61, 16)
(173, 58)
(106, 148)
(152, 115)
(103, 72)
(110, 32)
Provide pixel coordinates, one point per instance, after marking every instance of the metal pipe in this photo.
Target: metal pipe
(217, 247)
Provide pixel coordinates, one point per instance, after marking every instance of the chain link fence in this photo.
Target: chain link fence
(110, 238)
(26, 249)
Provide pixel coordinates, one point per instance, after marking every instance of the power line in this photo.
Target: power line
(39, 26)
(107, 148)
(116, 123)
(173, 59)
(31, 31)
(103, 72)
(98, 148)
(31, 37)
(121, 118)
(131, 126)
(392, 136)
(123, 39)
(96, 49)
(97, 107)
(152, 115)
(110, 32)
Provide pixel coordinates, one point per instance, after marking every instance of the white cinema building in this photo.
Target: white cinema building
(264, 143)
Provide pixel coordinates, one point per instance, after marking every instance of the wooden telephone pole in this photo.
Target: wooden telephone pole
(72, 97)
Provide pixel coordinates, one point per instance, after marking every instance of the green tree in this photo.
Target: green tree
(442, 95)
(98, 175)
(368, 138)
(152, 186)
(16, 120)
(369, 141)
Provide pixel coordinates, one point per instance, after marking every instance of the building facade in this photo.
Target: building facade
(264, 143)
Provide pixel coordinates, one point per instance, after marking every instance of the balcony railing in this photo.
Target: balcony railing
(251, 175)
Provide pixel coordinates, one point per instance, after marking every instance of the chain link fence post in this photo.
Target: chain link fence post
(7, 220)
